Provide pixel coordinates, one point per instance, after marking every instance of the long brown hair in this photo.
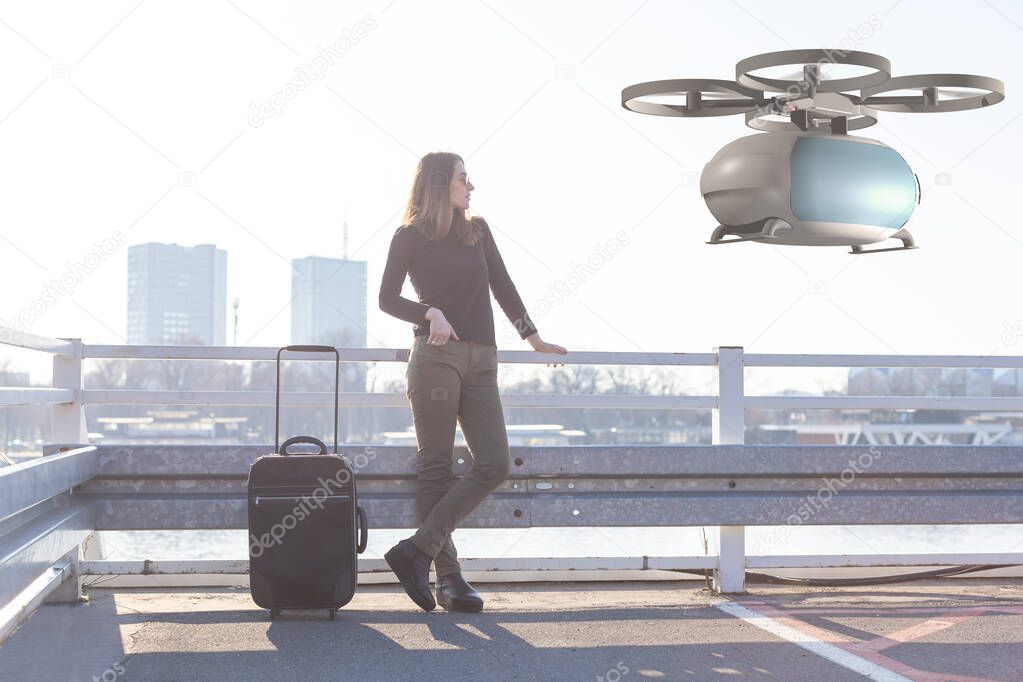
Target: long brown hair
(429, 203)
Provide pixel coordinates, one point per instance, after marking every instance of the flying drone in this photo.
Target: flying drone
(806, 181)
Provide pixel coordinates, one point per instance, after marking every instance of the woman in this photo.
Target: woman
(453, 264)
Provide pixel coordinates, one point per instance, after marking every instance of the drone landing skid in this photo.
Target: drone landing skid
(741, 238)
(760, 231)
(903, 235)
(858, 250)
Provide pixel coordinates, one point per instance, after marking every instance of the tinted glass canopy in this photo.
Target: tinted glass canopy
(844, 181)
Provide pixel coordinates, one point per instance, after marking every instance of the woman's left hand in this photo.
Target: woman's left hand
(541, 346)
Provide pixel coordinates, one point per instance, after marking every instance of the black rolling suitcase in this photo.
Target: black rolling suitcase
(303, 519)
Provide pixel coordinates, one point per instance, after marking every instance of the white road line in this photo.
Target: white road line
(831, 652)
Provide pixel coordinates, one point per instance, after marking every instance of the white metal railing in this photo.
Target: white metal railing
(68, 394)
(68, 424)
(728, 402)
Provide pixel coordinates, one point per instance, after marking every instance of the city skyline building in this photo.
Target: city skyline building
(176, 295)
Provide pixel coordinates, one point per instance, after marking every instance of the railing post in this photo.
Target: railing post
(68, 421)
(729, 428)
(70, 589)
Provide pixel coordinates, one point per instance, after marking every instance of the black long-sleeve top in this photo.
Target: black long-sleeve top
(454, 277)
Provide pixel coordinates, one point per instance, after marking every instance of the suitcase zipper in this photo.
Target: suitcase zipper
(298, 498)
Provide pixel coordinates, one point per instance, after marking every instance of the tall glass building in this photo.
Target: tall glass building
(177, 295)
(329, 301)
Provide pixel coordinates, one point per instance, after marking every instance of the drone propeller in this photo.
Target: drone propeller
(796, 76)
(934, 92)
(694, 97)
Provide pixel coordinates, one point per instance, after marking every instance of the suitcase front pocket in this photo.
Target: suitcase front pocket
(302, 549)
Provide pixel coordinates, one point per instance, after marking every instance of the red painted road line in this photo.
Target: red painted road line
(922, 629)
(848, 644)
(1006, 609)
(871, 611)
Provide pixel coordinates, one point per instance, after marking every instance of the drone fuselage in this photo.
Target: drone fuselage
(808, 189)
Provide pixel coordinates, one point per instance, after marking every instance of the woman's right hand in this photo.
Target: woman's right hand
(440, 328)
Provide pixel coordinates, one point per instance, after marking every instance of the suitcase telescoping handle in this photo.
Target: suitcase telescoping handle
(277, 401)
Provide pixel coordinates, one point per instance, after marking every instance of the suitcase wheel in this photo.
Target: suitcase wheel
(274, 613)
(333, 613)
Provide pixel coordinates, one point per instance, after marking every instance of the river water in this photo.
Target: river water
(609, 542)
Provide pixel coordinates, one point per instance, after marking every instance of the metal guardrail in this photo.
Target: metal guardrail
(42, 529)
(170, 487)
(53, 506)
(728, 484)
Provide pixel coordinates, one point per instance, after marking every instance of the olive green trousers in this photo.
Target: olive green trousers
(448, 383)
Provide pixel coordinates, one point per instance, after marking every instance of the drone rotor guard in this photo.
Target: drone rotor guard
(931, 86)
(696, 104)
(812, 103)
(812, 60)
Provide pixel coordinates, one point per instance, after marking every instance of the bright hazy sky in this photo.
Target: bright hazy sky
(105, 113)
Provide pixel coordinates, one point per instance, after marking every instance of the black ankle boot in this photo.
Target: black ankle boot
(411, 565)
(455, 594)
